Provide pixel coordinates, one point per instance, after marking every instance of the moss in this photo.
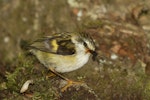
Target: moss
(25, 69)
(146, 93)
(18, 76)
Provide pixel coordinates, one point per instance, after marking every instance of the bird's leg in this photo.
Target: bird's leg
(59, 75)
(50, 75)
(69, 82)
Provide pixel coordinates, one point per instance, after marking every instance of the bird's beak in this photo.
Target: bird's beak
(94, 53)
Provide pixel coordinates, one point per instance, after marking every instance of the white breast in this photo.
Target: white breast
(81, 59)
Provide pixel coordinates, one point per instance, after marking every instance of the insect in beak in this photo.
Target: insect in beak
(94, 54)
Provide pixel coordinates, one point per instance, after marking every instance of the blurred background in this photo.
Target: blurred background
(119, 28)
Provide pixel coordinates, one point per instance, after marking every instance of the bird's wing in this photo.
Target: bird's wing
(57, 44)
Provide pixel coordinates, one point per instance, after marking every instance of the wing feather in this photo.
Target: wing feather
(57, 44)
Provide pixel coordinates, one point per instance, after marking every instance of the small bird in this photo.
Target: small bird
(63, 52)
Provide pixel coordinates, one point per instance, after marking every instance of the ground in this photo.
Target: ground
(119, 28)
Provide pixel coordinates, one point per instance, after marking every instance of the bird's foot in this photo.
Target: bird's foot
(69, 84)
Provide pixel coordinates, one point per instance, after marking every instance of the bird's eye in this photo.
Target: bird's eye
(84, 43)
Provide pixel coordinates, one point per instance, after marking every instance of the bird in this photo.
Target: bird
(64, 52)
